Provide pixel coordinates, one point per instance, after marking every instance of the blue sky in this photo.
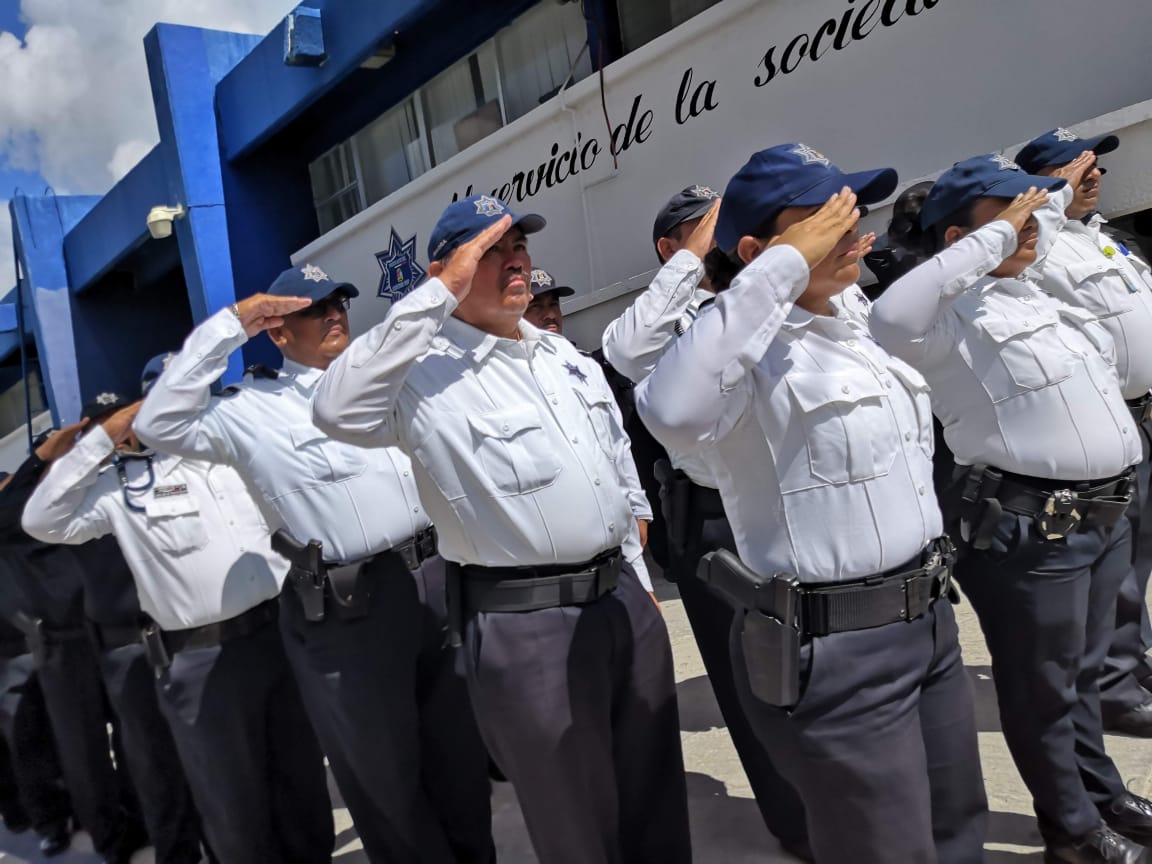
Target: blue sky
(10, 180)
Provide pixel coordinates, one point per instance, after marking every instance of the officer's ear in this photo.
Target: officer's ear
(278, 336)
(665, 248)
(953, 234)
(749, 247)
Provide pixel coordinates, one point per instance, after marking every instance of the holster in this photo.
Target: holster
(33, 630)
(306, 575)
(771, 629)
(454, 598)
(980, 509)
(351, 587)
(155, 650)
(676, 506)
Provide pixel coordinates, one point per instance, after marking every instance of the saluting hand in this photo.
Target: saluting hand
(1076, 170)
(264, 311)
(700, 241)
(1022, 207)
(816, 236)
(457, 272)
(60, 442)
(118, 425)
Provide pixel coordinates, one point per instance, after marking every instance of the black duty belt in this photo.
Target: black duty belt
(38, 635)
(1141, 408)
(219, 632)
(109, 637)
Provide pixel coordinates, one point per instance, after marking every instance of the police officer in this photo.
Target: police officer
(516, 452)
(1089, 269)
(848, 659)
(201, 557)
(544, 312)
(362, 617)
(51, 578)
(1028, 395)
(693, 510)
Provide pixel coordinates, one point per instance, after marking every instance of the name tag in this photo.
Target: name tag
(170, 491)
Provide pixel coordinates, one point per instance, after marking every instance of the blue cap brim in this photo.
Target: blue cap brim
(1017, 183)
(529, 223)
(323, 290)
(561, 291)
(871, 187)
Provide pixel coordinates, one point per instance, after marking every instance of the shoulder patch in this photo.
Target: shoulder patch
(259, 370)
(228, 392)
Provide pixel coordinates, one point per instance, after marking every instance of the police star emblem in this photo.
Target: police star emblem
(1005, 163)
(312, 273)
(1063, 134)
(106, 399)
(541, 277)
(486, 205)
(703, 192)
(810, 156)
(576, 372)
(399, 270)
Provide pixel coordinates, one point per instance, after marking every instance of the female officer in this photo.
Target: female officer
(823, 444)
(1027, 393)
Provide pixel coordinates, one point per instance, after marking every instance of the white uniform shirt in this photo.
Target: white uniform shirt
(1115, 287)
(634, 342)
(356, 502)
(1020, 380)
(517, 448)
(824, 441)
(199, 552)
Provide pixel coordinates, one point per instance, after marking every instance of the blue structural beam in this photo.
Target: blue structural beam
(39, 226)
(116, 226)
(353, 30)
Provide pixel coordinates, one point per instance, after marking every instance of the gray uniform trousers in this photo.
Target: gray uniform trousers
(1127, 661)
(392, 714)
(1047, 609)
(250, 755)
(577, 705)
(882, 745)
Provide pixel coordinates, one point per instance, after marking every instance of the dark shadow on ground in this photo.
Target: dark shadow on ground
(698, 709)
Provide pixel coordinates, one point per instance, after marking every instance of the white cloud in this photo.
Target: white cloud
(76, 103)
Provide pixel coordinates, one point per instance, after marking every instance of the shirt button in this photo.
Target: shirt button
(611, 526)
(399, 326)
(888, 384)
(907, 436)
(415, 509)
(1027, 323)
(405, 473)
(1124, 431)
(596, 482)
(555, 401)
(1105, 391)
(575, 440)
(506, 427)
(851, 343)
(844, 389)
(920, 489)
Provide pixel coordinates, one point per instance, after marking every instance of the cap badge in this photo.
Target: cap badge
(486, 205)
(540, 277)
(703, 192)
(168, 358)
(810, 156)
(106, 399)
(576, 372)
(1005, 163)
(1065, 135)
(312, 273)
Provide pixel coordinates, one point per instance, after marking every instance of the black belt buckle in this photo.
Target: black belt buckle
(1060, 515)
(409, 554)
(309, 587)
(155, 650)
(426, 544)
(607, 576)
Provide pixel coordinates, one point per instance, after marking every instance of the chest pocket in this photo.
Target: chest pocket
(323, 460)
(917, 389)
(1022, 354)
(1102, 287)
(513, 450)
(174, 523)
(1086, 325)
(848, 425)
(600, 406)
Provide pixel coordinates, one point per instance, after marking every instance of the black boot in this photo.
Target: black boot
(1131, 816)
(55, 838)
(1102, 846)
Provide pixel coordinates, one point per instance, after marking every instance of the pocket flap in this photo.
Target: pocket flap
(507, 423)
(816, 389)
(1001, 329)
(909, 377)
(304, 434)
(1081, 270)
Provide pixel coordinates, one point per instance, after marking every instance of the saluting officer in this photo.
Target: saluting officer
(693, 509)
(362, 615)
(1027, 392)
(516, 451)
(847, 654)
(544, 312)
(1089, 269)
(203, 564)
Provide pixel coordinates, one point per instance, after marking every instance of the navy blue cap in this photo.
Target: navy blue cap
(789, 175)
(463, 220)
(1059, 147)
(987, 176)
(308, 280)
(690, 203)
(153, 369)
(542, 282)
(104, 403)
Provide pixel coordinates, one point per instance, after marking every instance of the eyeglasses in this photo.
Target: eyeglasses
(321, 308)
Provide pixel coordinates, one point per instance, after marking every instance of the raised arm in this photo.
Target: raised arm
(17, 489)
(637, 339)
(356, 398)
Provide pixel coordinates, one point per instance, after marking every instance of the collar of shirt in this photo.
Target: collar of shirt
(837, 325)
(302, 376)
(476, 345)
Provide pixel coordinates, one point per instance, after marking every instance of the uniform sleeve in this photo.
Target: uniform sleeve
(700, 388)
(356, 398)
(1051, 219)
(1053, 275)
(621, 445)
(911, 318)
(65, 508)
(179, 415)
(633, 553)
(15, 495)
(636, 340)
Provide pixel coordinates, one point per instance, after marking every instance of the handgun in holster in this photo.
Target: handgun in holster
(155, 651)
(454, 597)
(676, 506)
(980, 510)
(33, 630)
(306, 574)
(771, 627)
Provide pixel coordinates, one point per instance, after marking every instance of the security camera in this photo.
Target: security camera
(160, 220)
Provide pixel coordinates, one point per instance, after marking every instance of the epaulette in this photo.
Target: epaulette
(259, 370)
(226, 392)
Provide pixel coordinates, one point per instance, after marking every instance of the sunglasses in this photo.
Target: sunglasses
(321, 308)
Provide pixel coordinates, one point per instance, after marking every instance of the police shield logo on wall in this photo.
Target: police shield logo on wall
(400, 272)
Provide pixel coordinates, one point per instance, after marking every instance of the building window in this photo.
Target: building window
(462, 104)
(537, 55)
(336, 186)
(641, 21)
(390, 152)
